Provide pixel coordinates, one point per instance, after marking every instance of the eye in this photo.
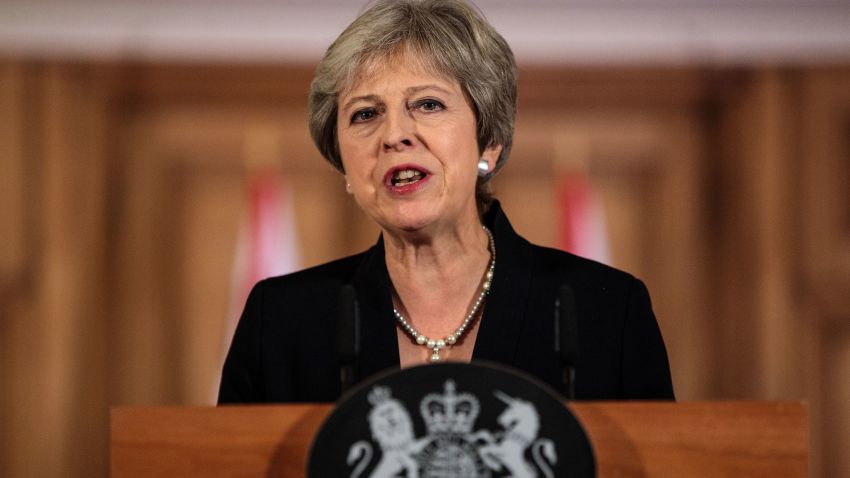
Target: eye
(429, 105)
(361, 116)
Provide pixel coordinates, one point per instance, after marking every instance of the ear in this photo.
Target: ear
(491, 155)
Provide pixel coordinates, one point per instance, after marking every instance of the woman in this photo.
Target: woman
(414, 104)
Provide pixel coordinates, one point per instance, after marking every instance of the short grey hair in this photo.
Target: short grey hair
(450, 37)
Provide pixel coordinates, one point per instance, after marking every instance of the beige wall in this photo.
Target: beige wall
(121, 187)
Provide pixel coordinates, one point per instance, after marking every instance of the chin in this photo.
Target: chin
(414, 217)
(412, 224)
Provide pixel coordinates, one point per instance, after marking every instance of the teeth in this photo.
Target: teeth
(407, 176)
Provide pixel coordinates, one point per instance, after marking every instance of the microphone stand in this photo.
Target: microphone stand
(566, 339)
(348, 336)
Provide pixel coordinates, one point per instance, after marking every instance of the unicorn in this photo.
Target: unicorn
(521, 425)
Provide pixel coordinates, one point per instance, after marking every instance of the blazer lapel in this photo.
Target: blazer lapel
(378, 341)
(504, 311)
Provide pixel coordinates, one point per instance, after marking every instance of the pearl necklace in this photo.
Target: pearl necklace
(438, 344)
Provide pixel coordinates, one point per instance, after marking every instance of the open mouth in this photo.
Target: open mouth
(405, 175)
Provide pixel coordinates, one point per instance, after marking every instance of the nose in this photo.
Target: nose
(399, 131)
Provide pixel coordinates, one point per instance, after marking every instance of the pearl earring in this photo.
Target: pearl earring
(348, 187)
(483, 167)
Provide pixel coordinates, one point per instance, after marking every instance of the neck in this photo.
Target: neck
(432, 259)
(436, 278)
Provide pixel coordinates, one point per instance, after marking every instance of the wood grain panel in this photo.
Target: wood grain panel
(698, 439)
(13, 178)
(826, 189)
(753, 439)
(180, 442)
(824, 264)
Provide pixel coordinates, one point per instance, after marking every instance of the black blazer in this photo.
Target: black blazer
(284, 348)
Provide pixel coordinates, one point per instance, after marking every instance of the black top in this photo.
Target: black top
(284, 348)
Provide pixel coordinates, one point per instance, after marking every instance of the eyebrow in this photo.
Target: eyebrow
(416, 89)
(408, 91)
(372, 98)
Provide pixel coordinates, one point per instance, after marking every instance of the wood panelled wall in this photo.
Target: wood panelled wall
(122, 186)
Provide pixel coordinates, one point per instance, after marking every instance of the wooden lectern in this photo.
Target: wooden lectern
(630, 439)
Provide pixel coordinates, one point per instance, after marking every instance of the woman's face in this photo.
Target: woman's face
(408, 144)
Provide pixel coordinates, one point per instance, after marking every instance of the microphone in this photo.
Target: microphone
(566, 338)
(348, 336)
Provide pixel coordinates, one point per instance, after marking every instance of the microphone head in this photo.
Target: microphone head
(566, 324)
(347, 339)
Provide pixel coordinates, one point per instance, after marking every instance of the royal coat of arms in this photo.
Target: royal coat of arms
(451, 447)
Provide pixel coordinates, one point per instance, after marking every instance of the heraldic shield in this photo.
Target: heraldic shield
(451, 420)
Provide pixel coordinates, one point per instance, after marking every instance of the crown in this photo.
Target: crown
(379, 395)
(449, 413)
